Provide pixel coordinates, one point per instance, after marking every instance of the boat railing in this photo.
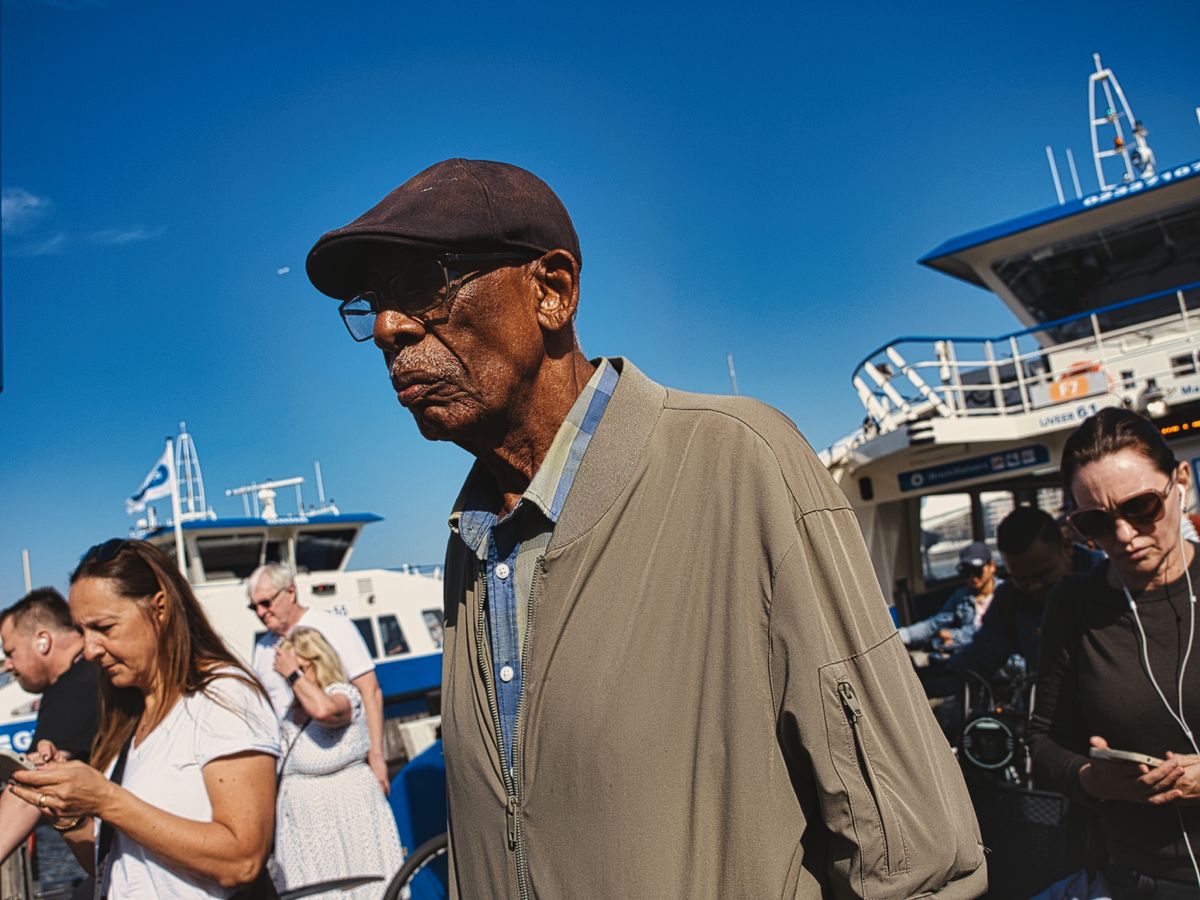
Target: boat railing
(1143, 349)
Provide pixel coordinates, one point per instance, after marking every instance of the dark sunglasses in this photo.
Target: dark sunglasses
(1140, 511)
(100, 553)
(970, 569)
(255, 605)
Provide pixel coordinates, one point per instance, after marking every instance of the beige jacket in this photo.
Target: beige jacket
(716, 703)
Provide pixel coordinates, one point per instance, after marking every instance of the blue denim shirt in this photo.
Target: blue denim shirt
(512, 548)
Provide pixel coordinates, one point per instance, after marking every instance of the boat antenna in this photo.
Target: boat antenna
(320, 483)
(732, 373)
(189, 477)
(1054, 172)
(1138, 161)
(1074, 174)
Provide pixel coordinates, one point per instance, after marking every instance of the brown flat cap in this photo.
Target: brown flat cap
(463, 205)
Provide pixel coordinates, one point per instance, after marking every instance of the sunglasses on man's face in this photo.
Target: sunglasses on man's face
(1141, 511)
(971, 570)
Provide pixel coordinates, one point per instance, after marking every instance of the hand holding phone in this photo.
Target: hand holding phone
(1125, 756)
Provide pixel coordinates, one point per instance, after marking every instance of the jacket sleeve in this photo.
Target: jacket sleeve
(946, 617)
(1058, 738)
(991, 645)
(852, 718)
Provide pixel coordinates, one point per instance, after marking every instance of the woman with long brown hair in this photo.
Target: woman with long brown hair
(187, 740)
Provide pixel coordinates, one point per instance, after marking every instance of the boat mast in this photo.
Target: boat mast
(190, 477)
(1138, 163)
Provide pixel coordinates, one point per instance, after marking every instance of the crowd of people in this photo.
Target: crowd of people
(168, 766)
(668, 667)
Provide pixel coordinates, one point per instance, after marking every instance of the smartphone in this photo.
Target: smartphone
(11, 762)
(1125, 756)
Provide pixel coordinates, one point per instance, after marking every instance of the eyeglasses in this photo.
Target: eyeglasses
(99, 554)
(1140, 510)
(255, 605)
(423, 292)
(970, 569)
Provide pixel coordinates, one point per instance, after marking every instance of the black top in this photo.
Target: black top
(70, 710)
(1013, 624)
(1093, 682)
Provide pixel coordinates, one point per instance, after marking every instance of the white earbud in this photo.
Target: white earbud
(43, 644)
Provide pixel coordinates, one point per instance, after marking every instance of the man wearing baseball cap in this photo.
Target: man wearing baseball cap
(954, 625)
(668, 671)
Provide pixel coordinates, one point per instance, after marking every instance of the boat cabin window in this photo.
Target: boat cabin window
(1121, 262)
(323, 551)
(433, 621)
(945, 530)
(996, 505)
(229, 556)
(392, 635)
(368, 635)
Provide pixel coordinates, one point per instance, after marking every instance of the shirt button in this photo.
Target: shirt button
(502, 571)
(506, 674)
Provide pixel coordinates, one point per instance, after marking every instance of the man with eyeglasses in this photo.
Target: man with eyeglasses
(667, 671)
(272, 591)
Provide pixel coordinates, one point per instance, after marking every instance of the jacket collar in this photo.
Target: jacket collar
(614, 454)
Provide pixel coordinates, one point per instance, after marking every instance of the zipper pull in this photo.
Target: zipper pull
(512, 823)
(850, 699)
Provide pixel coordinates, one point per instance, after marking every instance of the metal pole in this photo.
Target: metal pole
(320, 483)
(1074, 174)
(732, 373)
(176, 512)
(1054, 172)
(25, 566)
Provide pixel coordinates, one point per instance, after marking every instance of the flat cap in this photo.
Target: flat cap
(458, 205)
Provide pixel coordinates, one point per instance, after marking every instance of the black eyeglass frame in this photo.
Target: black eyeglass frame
(453, 280)
(1120, 511)
(255, 605)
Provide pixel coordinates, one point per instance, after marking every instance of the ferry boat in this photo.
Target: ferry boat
(959, 430)
(398, 612)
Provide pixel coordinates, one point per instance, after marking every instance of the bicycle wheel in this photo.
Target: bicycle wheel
(425, 875)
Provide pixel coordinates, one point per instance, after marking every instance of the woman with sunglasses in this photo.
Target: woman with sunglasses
(1116, 668)
(187, 742)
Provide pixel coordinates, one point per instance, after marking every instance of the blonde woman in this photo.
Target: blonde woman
(333, 821)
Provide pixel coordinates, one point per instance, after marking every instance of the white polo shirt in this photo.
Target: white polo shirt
(341, 633)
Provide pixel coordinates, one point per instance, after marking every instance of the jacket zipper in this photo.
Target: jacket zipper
(511, 819)
(854, 714)
(518, 743)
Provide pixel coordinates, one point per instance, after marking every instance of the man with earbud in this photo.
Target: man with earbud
(44, 651)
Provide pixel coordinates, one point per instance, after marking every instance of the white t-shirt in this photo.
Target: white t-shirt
(166, 770)
(343, 637)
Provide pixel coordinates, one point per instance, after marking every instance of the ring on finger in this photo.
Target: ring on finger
(41, 803)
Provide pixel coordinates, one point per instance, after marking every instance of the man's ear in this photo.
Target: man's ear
(556, 278)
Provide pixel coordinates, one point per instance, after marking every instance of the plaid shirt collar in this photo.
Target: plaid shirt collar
(475, 513)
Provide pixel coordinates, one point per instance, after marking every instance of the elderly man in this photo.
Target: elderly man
(668, 671)
(273, 599)
(44, 651)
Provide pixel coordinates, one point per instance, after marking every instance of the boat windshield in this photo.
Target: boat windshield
(1128, 259)
(323, 551)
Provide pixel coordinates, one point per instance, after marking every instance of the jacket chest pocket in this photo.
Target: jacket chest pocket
(870, 805)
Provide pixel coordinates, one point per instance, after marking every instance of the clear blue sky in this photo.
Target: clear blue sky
(745, 178)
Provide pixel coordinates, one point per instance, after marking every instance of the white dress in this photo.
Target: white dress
(333, 819)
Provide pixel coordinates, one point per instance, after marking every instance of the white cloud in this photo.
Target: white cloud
(126, 235)
(21, 210)
(283, 270)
